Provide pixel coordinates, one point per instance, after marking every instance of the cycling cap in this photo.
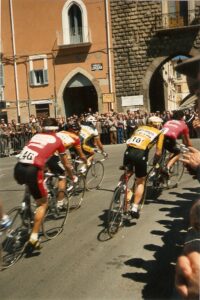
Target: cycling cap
(155, 120)
(50, 124)
(92, 120)
(72, 126)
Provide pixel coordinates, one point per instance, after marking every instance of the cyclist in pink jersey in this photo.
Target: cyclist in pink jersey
(30, 171)
(174, 129)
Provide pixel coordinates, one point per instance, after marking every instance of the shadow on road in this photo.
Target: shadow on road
(158, 274)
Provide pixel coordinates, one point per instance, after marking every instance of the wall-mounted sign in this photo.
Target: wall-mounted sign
(96, 67)
(108, 98)
(132, 100)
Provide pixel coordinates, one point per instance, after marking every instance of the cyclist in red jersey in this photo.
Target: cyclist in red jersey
(30, 171)
(71, 141)
(174, 129)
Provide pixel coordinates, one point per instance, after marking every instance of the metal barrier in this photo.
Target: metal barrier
(13, 143)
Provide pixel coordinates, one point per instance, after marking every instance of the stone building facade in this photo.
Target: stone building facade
(54, 58)
(146, 34)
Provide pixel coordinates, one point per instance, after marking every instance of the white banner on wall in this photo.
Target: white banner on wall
(132, 100)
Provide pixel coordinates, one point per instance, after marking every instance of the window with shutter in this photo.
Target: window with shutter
(45, 75)
(31, 78)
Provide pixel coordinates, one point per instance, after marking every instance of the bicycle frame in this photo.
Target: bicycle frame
(124, 182)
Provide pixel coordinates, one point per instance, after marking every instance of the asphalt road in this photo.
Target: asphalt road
(82, 263)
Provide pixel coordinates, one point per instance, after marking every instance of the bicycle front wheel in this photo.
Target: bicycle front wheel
(94, 176)
(77, 194)
(115, 212)
(176, 173)
(55, 217)
(13, 239)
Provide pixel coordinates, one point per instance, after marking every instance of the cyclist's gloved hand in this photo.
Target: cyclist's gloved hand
(104, 154)
(75, 179)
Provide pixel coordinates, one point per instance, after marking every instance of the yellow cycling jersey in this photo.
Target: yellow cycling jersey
(145, 137)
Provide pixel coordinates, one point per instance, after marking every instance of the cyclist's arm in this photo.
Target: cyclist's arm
(159, 148)
(186, 140)
(80, 153)
(66, 164)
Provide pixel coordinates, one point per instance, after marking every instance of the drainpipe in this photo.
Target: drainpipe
(0, 31)
(109, 50)
(15, 64)
(1, 88)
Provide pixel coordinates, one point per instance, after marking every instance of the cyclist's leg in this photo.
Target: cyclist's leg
(140, 161)
(35, 182)
(170, 145)
(89, 152)
(55, 165)
(128, 163)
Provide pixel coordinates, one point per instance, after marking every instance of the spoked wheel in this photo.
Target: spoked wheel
(94, 175)
(176, 173)
(77, 194)
(13, 239)
(115, 213)
(55, 217)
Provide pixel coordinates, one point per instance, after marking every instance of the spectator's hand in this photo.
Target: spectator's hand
(187, 275)
(191, 158)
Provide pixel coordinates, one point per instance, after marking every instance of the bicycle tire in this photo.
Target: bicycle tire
(94, 175)
(115, 212)
(176, 173)
(152, 188)
(14, 239)
(55, 218)
(77, 194)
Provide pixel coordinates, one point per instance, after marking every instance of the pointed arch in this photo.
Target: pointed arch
(67, 79)
(66, 12)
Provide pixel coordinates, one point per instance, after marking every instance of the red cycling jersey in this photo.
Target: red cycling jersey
(175, 128)
(40, 148)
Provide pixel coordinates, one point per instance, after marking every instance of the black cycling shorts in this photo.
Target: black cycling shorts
(33, 177)
(171, 146)
(55, 165)
(136, 159)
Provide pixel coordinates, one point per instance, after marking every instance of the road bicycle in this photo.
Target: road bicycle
(14, 238)
(94, 173)
(120, 206)
(157, 179)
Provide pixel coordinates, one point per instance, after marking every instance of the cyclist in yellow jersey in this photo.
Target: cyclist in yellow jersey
(136, 156)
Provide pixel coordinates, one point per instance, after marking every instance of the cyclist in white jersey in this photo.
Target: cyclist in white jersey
(90, 138)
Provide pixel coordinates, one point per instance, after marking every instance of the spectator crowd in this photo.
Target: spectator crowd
(113, 127)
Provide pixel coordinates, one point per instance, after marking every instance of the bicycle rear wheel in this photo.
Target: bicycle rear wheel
(55, 217)
(153, 186)
(94, 175)
(77, 194)
(14, 239)
(115, 212)
(176, 173)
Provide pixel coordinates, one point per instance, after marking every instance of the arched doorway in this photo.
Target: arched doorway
(80, 96)
(156, 92)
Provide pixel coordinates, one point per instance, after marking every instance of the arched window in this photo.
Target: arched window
(75, 22)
